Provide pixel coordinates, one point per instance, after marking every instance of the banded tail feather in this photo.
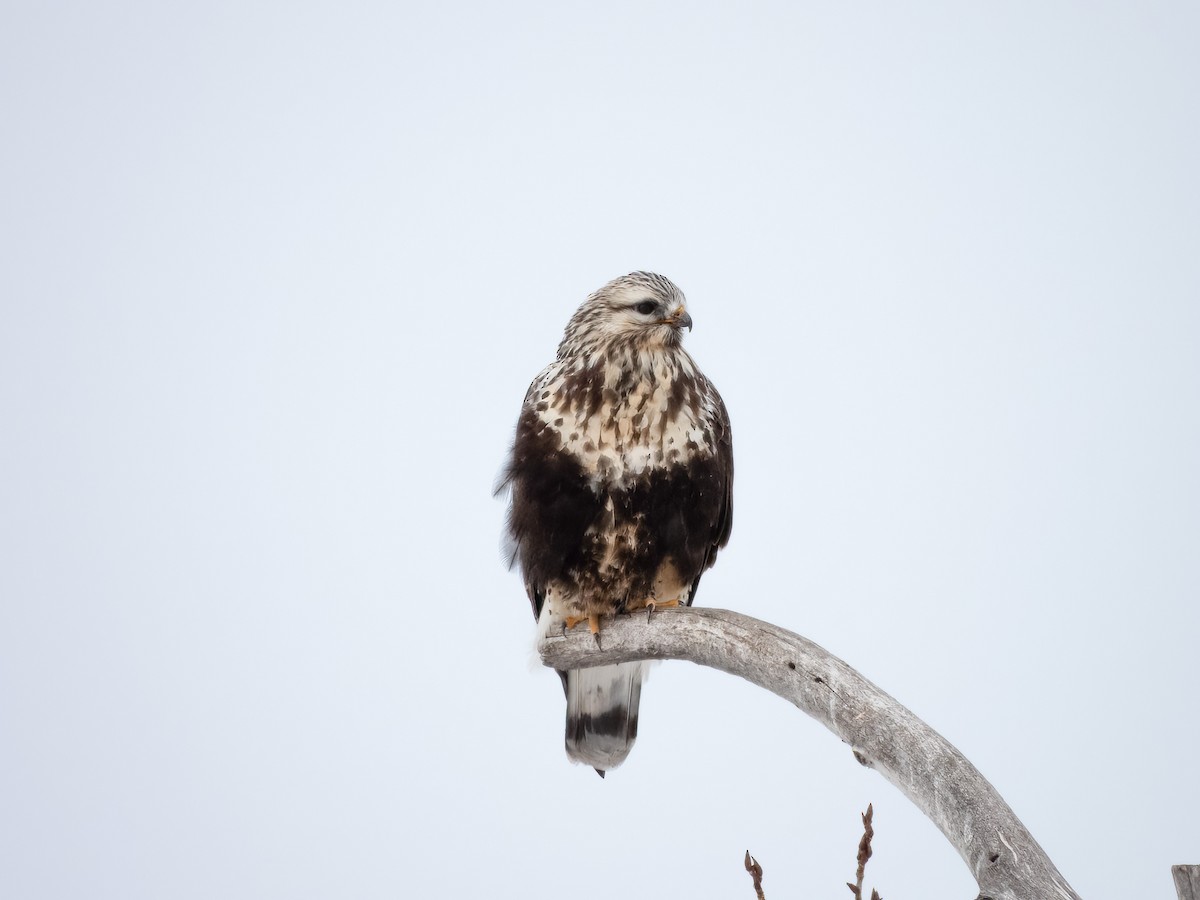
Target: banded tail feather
(602, 714)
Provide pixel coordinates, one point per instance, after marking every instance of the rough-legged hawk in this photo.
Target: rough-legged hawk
(621, 476)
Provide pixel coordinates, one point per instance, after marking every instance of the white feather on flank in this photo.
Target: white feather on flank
(550, 619)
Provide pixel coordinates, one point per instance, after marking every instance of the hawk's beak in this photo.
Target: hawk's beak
(679, 320)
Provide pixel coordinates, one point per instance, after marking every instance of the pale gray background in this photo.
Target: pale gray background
(275, 278)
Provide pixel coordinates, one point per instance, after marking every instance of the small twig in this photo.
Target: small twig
(755, 871)
(864, 853)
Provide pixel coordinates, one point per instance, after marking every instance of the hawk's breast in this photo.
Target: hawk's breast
(622, 425)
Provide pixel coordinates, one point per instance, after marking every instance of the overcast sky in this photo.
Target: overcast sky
(275, 278)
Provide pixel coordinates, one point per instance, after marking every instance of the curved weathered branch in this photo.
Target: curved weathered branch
(1187, 881)
(1001, 854)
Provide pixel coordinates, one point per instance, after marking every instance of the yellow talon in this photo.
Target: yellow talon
(593, 620)
(652, 605)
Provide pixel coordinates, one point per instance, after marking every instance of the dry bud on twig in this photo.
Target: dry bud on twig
(755, 871)
(864, 853)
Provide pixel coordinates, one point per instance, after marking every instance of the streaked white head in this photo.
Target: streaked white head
(640, 310)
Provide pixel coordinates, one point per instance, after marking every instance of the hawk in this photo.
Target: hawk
(620, 482)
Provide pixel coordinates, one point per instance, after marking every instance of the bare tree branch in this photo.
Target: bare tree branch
(1187, 881)
(1001, 854)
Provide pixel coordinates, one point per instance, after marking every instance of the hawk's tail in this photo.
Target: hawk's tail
(602, 713)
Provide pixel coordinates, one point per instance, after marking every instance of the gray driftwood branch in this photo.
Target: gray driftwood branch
(1002, 855)
(1187, 881)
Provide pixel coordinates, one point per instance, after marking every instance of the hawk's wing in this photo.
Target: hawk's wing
(719, 513)
(550, 506)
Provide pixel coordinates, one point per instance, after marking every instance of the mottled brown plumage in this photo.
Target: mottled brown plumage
(620, 475)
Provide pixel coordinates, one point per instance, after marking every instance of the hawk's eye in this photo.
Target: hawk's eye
(646, 307)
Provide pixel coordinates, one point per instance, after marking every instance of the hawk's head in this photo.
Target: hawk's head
(640, 310)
